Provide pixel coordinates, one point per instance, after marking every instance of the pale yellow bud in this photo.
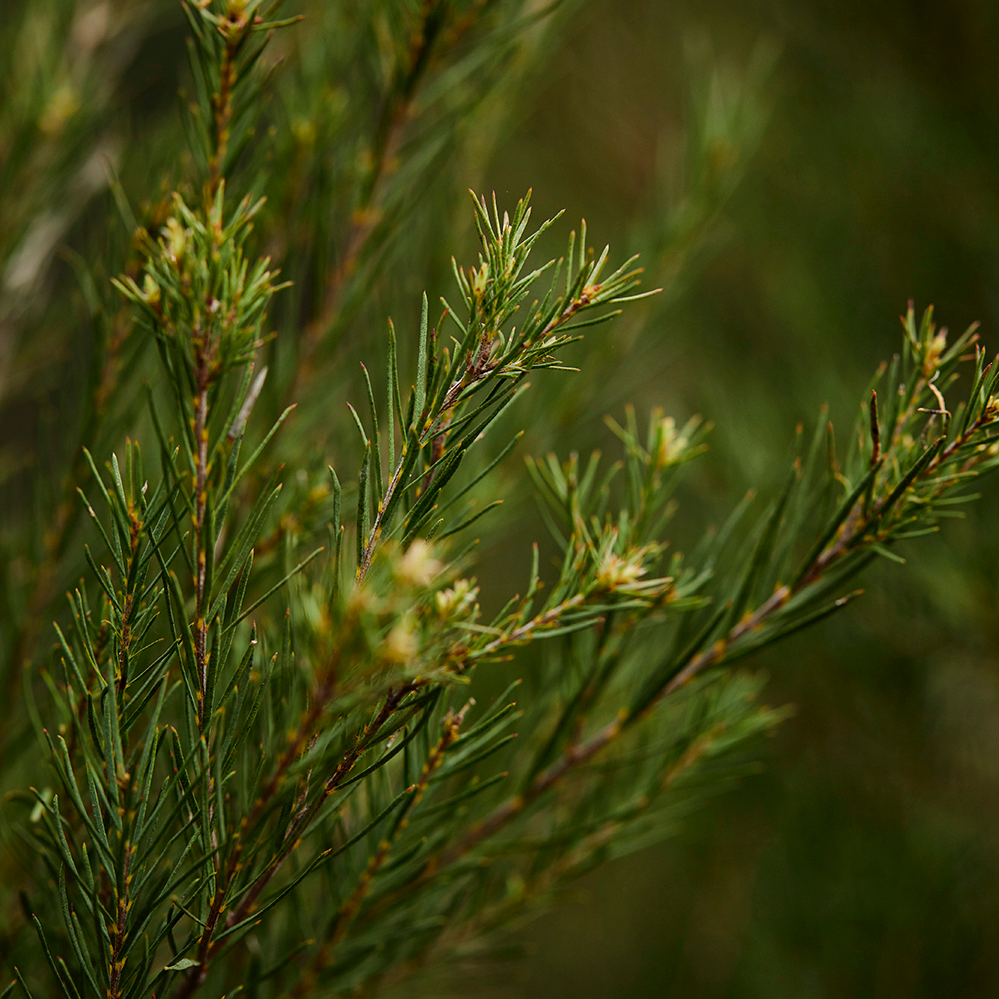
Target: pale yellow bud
(401, 644)
(934, 351)
(616, 571)
(480, 278)
(457, 599)
(175, 240)
(671, 443)
(418, 567)
(150, 290)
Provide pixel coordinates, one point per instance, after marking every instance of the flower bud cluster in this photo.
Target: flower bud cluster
(407, 615)
(622, 572)
(200, 296)
(670, 445)
(616, 571)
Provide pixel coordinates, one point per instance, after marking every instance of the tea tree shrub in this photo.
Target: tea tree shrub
(271, 756)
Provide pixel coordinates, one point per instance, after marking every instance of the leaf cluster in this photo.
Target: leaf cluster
(271, 773)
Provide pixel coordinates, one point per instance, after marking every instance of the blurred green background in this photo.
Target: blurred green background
(793, 171)
(863, 860)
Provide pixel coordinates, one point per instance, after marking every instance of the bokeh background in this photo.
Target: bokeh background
(863, 860)
(793, 172)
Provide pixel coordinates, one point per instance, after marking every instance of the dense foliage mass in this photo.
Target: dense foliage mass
(277, 755)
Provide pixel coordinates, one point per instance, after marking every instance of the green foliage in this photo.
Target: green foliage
(269, 771)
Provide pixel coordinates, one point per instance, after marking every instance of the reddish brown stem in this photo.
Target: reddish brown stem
(207, 945)
(580, 752)
(222, 102)
(116, 963)
(475, 373)
(200, 501)
(352, 906)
